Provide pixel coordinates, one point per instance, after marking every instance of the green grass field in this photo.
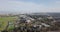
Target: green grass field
(4, 21)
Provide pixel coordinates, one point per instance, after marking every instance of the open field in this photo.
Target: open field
(4, 21)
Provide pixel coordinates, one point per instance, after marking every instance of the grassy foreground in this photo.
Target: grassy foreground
(4, 21)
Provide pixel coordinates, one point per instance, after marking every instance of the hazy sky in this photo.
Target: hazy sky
(28, 6)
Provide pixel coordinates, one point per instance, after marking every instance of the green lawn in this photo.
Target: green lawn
(4, 20)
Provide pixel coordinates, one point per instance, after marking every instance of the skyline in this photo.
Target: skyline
(29, 6)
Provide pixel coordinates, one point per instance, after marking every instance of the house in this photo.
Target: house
(45, 25)
(50, 17)
(28, 21)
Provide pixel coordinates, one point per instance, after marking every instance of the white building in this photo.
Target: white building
(45, 25)
(28, 21)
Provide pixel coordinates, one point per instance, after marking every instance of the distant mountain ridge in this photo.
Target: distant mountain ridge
(40, 13)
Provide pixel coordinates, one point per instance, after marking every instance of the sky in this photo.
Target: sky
(29, 6)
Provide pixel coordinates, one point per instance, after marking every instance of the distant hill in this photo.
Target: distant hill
(50, 14)
(54, 14)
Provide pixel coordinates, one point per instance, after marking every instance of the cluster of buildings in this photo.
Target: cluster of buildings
(35, 23)
(39, 22)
